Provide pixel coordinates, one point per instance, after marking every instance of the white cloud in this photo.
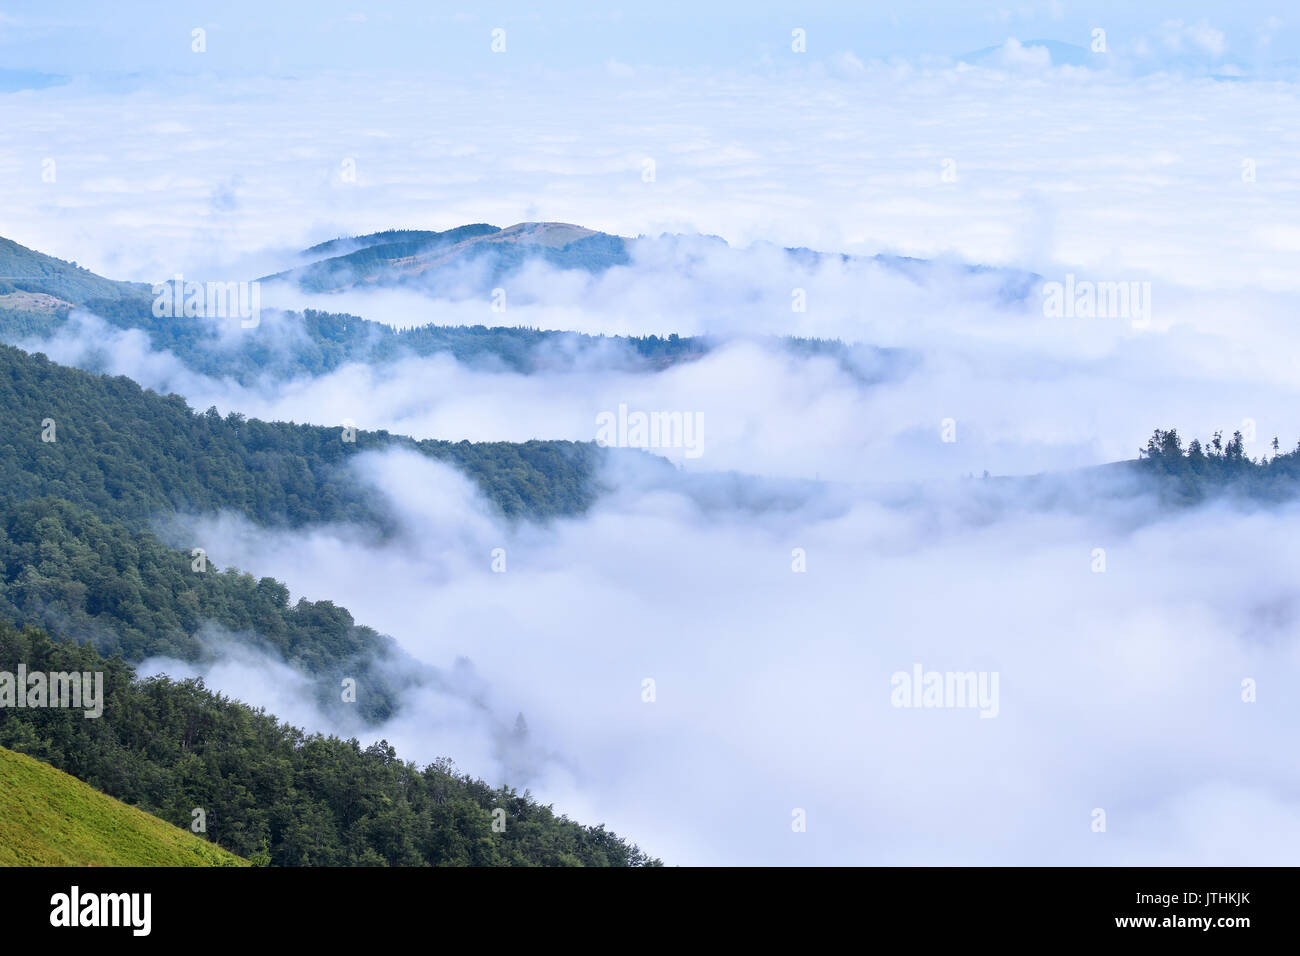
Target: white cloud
(1200, 36)
(798, 158)
(844, 65)
(1014, 56)
(1118, 690)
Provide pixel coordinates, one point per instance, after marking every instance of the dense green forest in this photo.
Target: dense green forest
(83, 578)
(23, 268)
(292, 344)
(77, 558)
(77, 555)
(132, 454)
(272, 793)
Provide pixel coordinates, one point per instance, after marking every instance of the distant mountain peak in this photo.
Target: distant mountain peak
(551, 234)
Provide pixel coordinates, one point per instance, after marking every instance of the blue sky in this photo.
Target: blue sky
(244, 36)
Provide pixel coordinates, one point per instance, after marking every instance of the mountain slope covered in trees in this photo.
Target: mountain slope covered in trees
(27, 269)
(89, 465)
(267, 788)
(133, 454)
(86, 578)
(1218, 468)
(477, 257)
(43, 292)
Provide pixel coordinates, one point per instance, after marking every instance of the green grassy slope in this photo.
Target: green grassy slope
(48, 818)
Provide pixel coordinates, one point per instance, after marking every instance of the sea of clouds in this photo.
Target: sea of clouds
(1119, 690)
(1138, 176)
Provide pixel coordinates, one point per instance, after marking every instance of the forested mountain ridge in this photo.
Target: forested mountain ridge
(27, 269)
(490, 253)
(425, 238)
(288, 345)
(89, 465)
(132, 454)
(38, 293)
(85, 578)
(1218, 468)
(474, 259)
(271, 790)
(41, 293)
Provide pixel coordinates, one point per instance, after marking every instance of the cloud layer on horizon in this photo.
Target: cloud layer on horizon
(1091, 169)
(1118, 690)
